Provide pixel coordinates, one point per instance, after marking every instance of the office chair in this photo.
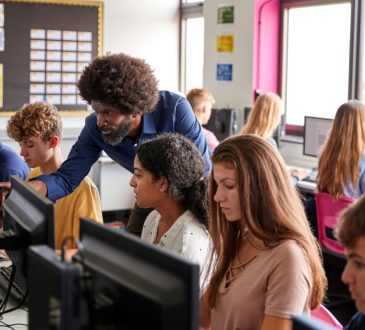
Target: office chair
(328, 209)
(323, 314)
(334, 260)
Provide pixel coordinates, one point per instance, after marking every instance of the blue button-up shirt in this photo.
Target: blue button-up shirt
(173, 113)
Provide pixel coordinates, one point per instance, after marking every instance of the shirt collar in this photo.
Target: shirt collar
(148, 125)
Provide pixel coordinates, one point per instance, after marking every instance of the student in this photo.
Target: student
(341, 165)
(268, 266)
(169, 177)
(350, 232)
(201, 101)
(37, 127)
(11, 164)
(264, 117)
(128, 107)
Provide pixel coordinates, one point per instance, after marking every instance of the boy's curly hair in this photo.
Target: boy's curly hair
(122, 81)
(39, 119)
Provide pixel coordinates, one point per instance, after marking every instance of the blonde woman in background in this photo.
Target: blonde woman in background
(264, 117)
(341, 167)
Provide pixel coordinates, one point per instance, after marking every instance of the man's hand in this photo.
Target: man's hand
(40, 186)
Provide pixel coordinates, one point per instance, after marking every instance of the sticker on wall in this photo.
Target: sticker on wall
(225, 43)
(224, 72)
(225, 14)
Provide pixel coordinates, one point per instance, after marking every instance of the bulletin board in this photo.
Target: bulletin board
(44, 47)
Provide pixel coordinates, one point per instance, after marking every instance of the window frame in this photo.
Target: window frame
(355, 51)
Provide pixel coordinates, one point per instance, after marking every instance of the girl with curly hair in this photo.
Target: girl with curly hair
(266, 263)
(169, 177)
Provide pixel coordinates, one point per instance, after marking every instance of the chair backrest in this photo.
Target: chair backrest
(328, 209)
(323, 314)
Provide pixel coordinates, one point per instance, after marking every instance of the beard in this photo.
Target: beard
(117, 135)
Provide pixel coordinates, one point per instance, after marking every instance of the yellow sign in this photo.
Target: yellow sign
(225, 43)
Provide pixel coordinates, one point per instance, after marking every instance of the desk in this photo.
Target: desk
(18, 316)
(307, 187)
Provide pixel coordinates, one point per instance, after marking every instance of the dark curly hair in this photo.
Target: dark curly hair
(122, 81)
(178, 159)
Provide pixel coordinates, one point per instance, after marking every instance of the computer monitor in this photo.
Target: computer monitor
(315, 134)
(304, 322)
(28, 219)
(222, 123)
(55, 291)
(136, 285)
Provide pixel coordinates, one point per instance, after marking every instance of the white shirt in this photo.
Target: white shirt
(187, 237)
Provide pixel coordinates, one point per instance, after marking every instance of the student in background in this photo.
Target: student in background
(123, 92)
(169, 177)
(269, 266)
(10, 164)
(341, 165)
(264, 117)
(202, 101)
(37, 127)
(350, 232)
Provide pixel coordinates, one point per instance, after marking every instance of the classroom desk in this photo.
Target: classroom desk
(17, 319)
(307, 187)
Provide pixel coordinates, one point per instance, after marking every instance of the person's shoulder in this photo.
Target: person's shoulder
(289, 251)
(357, 322)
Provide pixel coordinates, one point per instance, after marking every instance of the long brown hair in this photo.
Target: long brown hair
(340, 158)
(264, 116)
(270, 206)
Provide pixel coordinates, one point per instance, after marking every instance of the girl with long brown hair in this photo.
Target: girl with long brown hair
(341, 166)
(266, 264)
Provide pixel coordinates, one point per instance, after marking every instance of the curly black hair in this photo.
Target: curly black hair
(122, 81)
(175, 157)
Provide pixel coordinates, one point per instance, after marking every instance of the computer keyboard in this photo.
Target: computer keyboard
(312, 177)
(16, 292)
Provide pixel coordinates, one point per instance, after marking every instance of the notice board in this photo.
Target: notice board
(44, 47)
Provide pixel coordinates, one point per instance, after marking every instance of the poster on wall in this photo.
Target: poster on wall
(224, 72)
(225, 43)
(225, 14)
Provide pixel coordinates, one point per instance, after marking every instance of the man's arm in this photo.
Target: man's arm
(84, 153)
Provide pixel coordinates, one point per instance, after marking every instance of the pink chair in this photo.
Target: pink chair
(328, 209)
(323, 314)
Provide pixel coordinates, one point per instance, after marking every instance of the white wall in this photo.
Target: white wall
(237, 93)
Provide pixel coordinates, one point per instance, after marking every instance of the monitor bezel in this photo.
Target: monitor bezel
(305, 130)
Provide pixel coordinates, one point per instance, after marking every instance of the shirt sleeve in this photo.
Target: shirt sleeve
(187, 124)
(289, 283)
(84, 153)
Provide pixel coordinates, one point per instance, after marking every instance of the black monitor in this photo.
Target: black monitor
(136, 285)
(304, 322)
(222, 123)
(28, 219)
(55, 291)
(315, 134)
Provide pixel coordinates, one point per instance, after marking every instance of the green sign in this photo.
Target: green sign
(225, 15)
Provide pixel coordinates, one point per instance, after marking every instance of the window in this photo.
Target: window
(192, 45)
(315, 61)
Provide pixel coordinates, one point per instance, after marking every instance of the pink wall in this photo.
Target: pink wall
(266, 46)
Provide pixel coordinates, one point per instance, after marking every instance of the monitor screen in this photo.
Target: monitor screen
(222, 123)
(315, 134)
(136, 285)
(54, 300)
(28, 220)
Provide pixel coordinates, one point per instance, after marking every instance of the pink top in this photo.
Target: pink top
(276, 282)
(212, 140)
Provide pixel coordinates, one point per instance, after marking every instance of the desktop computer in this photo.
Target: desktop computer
(222, 123)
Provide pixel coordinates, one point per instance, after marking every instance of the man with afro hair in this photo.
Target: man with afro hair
(123, 92)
